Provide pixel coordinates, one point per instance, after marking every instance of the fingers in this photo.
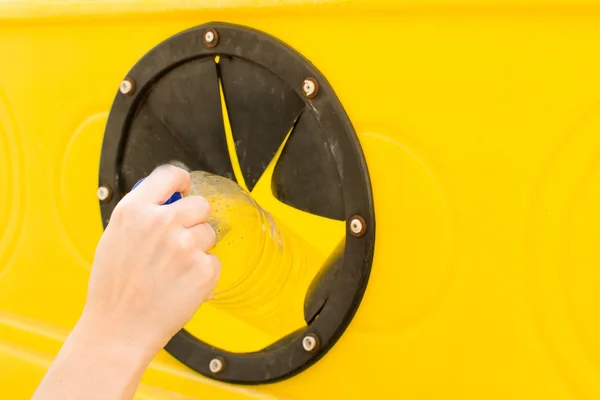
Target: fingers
(204, 235)
(214, 265)
(204, 273)
(209, 268)
(187, 243)
(162, 183)
(191, 211)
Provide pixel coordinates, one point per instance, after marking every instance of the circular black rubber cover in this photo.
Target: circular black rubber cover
(174, 114)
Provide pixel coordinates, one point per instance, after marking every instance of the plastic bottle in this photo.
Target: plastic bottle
(266, 267)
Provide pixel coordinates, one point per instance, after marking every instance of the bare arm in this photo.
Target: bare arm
(150, 274)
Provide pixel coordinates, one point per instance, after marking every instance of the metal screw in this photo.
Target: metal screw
(127, 86)
(211, 38)
(310, 87)
(216, 365)
(358, 226)
(103, 193)
(310, 342)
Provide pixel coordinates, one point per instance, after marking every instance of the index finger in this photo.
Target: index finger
(162, 183)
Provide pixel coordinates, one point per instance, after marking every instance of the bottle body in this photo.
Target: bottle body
(266, 267)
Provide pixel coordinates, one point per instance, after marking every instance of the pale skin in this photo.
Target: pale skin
(150, 274)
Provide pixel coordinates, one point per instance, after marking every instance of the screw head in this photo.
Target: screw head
(104, 193)
(310, 87)
(211, 38)
(358, 226)
(310, 342)
(216, 365)
(127, 86)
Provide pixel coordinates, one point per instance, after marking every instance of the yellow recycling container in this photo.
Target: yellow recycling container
(470, 131)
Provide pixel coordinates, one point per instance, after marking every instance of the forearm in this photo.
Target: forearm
(93, 364)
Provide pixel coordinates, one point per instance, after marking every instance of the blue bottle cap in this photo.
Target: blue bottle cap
(176, 196)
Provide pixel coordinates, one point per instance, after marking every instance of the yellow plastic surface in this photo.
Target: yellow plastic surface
(480, 122)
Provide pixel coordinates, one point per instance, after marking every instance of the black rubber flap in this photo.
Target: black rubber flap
(323, 283)
(262, 109)
(180, 120)
(306, 176)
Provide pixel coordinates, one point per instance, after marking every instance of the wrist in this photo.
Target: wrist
(111, 342)
(95, 363)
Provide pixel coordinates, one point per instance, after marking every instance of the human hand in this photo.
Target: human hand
(151, 271)
(150, 274)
